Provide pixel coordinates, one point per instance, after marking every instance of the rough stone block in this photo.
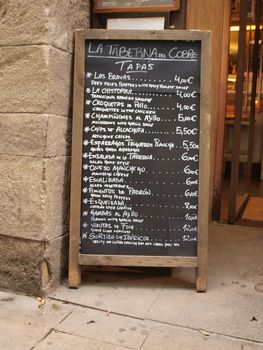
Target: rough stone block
(35, 79)
(22, 197)
(64, 17)
(59, 84)
(34, 197)
(58, 136)
(32, 267)
(35, 135)
(24, 83)
(78, 18)
(19, 268)
(23, 134)
(57, 175)
(58, 18)
(55, 263)
(51, 22)
(23, 22)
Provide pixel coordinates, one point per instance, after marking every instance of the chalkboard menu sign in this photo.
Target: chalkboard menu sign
(139, 189)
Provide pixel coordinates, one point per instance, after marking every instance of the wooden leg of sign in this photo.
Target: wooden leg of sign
(74, 276)
(200, 279)
(202, 263)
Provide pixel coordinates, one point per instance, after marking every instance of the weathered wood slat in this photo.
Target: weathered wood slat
(128, 260)
(146, 5)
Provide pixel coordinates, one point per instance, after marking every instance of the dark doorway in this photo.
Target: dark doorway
(242, 185)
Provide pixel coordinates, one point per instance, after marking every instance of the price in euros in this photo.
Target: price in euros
(189, 145)
(185, 131)
(188, 238)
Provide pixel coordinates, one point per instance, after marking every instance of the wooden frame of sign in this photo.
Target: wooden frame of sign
(161, 39)
(105, 6)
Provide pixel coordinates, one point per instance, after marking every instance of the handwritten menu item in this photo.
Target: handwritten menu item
(140, 147)
(143, 148)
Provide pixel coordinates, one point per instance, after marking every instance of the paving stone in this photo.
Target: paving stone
(23, 322)
(62, 341)
(122, 292)
(106, 327)
(231, 301)
(34, 323)
(175, 338)
(227, 310)
(238, 252)
(252, 346)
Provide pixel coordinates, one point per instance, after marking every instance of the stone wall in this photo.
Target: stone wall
(36, 50)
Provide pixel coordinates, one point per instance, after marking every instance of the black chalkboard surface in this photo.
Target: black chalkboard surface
(140, 162)
(140, 147)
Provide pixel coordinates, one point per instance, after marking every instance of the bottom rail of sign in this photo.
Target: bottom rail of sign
(137, 260)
